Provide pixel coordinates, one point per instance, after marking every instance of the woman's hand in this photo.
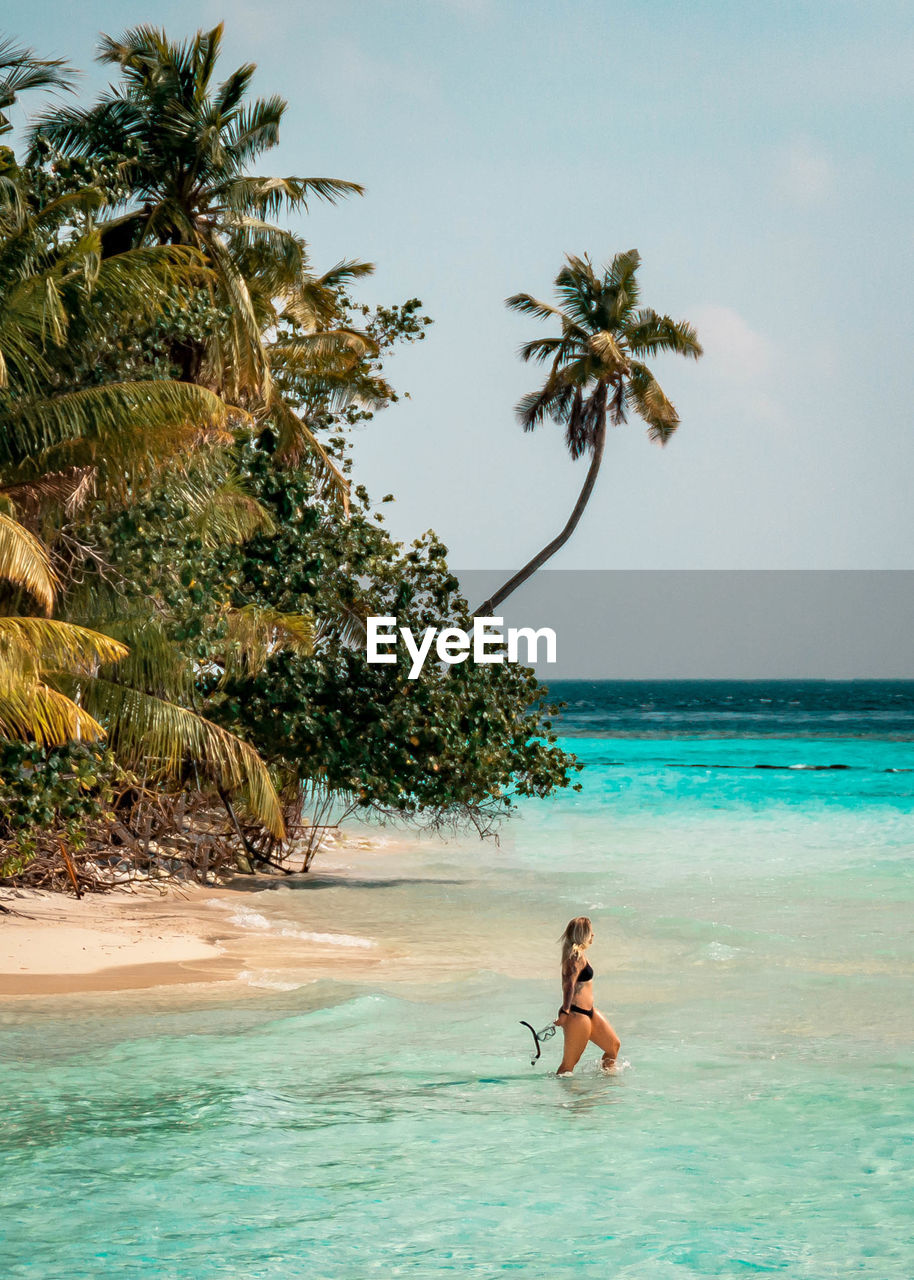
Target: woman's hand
(561, 1019)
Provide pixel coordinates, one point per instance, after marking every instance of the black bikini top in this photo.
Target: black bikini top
(586, 973)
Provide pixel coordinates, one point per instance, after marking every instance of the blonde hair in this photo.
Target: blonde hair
(574, 942)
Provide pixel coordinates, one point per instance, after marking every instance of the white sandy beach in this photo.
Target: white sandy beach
(54, 944)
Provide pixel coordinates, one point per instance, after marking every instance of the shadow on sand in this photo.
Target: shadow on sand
(256, 884)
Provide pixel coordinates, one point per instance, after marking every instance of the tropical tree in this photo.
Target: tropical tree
(186, 144)
(597, 373)
(173, 577)
(32, 648)
(64, 444)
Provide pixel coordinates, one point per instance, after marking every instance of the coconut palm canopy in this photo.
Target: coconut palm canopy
(597, 363)
(186, 142)
(61, 445)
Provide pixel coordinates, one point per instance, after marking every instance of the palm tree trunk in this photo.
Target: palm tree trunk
(488, 606)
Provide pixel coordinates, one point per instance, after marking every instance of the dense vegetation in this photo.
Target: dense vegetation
(185, 565)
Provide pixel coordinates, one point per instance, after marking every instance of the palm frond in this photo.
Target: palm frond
(343, 273)
(647, 398)
(48, 645)
(608, 351)
(33, 650)
(266, 197)
(578, 291)
(167, 741)
(232, 90)
(254, 129)
(223, 515)
(65, 491)
(272, 248)
(24, 562)
(534, 407)
(313, 350)
(621, 281)
(527, 305)
(648, 333)
(111, 424)
(297, 442)
(254, 633)
(207, 45)
(143, 45)
(542, 349)
(34, 712)
(152, 662)
(106, 127)
(248, 358)
(21, 70)
(134, 284)
(314, 302)
(348, 623)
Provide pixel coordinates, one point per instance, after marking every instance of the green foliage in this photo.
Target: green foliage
(20, 70)
(461, 739)
(596, 365)
(456, 743)
(176, 390)
(186, 142)
(89, 420)
(41, 789)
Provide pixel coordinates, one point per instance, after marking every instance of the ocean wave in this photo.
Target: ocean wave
(264, 981)
(246, 918)
(330, 939)
(720, 952)
(721, 764)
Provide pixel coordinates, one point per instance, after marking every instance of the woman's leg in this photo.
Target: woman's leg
(577, 1034)
(605, 1038)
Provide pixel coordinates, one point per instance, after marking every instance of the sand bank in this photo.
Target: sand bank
(56, 944)
(121, 941)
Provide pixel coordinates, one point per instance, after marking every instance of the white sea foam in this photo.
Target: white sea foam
(249, 919)
(330, 939)
(616, 1069)
(245, 918)
(720, 951)
(263, 980)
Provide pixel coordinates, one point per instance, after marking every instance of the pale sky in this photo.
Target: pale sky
(759, 158)
(714, 624)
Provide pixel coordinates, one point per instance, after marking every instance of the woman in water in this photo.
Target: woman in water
(579, 1020)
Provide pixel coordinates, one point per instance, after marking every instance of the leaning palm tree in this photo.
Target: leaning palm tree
(597, 373)
(185, 144)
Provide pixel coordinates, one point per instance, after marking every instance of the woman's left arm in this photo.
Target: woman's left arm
(568, 984)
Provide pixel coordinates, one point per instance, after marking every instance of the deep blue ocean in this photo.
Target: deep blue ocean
(737, 708)
(745, 854)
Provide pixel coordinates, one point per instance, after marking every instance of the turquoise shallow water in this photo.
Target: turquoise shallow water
(754, 950)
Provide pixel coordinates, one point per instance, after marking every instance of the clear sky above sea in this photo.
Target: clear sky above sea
(760, 158)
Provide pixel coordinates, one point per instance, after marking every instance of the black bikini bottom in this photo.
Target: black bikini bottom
(587, 1012)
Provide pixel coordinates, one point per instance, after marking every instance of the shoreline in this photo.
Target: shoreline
(170, 935)
(120, 940)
